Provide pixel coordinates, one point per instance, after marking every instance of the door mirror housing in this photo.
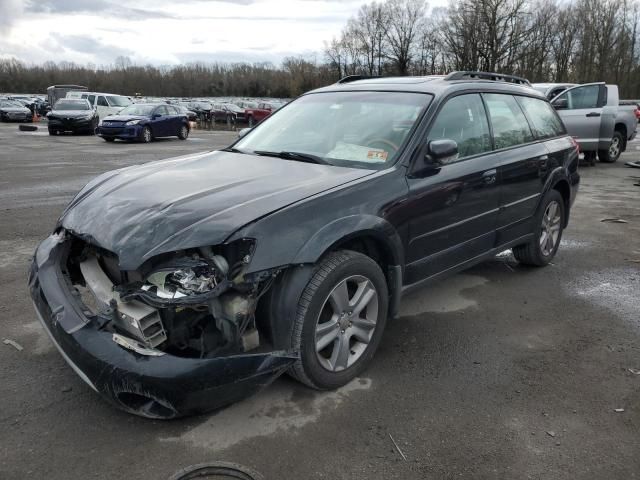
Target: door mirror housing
(560, 104)
(440, 152)
(243, 132)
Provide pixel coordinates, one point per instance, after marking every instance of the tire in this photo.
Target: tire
(52, 132)
(146, 135)
(537, 252)
(183, 133)
(615, 149)
(28, 128)
(108, 139)
(590, 158)
(251, 121)
(354, 272)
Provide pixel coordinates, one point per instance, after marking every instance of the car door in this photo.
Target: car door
(102, 106)
(175, 119)
(523, 165)
(454, 208)
(161, 121)
(580, 109)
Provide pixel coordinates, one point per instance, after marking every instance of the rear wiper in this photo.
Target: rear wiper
(297, 156)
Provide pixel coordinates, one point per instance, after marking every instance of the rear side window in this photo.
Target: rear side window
(544, 121)
(510, 126)
(92, 99)
(102, 102)
(463, 120)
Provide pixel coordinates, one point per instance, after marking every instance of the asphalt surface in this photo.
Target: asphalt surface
(501, 372)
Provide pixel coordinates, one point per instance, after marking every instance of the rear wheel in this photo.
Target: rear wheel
(549, 223)
(183, 133)
(251, 121)
(590, 158)
(107, 139)
(340, 319)
(146, 136)
(615, 149)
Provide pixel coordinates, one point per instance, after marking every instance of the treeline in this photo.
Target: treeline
(543, 40)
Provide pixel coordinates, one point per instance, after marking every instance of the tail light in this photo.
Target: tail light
(637, 112)
(575, 144)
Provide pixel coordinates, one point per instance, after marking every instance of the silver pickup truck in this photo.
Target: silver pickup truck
(593, 116)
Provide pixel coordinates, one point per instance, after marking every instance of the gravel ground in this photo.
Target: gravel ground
(500, 372)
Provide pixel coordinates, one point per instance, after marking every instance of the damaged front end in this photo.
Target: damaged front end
(176, 336)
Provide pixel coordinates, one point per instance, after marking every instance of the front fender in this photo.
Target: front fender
(346, 228)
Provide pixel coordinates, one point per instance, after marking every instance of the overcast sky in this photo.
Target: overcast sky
(168, 32)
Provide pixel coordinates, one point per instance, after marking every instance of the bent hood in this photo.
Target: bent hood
(186, 202)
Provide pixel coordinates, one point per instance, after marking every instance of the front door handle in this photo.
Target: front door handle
(592, 114)
(489, 176)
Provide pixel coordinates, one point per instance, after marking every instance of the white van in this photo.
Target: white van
(105, 103)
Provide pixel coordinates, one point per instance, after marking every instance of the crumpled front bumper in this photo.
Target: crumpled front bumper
(163, 386)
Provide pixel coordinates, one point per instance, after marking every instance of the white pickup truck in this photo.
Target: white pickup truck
(593, 116)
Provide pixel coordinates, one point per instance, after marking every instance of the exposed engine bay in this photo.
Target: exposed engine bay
(195, 303)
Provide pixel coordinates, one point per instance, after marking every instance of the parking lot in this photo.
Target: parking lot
(498, 372)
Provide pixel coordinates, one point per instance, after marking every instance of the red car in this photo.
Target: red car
(255, 115)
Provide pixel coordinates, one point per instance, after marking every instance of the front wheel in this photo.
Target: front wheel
(251, 122)
(183, 133)
(146, 136)
(549, 222)
(615, 149)
(340, 319)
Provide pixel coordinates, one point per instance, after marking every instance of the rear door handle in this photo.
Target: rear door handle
(489, 176)
(592, 114)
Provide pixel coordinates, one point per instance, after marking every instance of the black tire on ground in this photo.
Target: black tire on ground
(183, 133)
(613, 152)
(108, 139)
(146, 136)
(52, 132)
(28, 128)
(251, 122)
(532, 253)
(331, 271)
(590, 158)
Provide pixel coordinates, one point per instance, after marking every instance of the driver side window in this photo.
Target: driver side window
(581, 97)
(463, 120)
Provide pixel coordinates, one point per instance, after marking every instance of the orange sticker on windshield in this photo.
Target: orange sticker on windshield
(379, 155)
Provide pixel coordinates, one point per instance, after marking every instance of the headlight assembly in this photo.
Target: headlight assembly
(132, 122)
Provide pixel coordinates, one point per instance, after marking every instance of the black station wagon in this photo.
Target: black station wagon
(179, 286)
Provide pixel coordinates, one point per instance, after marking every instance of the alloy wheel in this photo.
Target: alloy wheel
(147, 134)
(550, 228)
(614, 148)
(346, 323)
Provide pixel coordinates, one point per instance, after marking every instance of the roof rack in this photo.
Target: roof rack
(353, 78)
(495, 77)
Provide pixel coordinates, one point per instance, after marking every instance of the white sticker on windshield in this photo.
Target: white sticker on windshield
(358, 153)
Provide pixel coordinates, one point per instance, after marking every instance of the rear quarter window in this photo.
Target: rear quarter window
(544, 120)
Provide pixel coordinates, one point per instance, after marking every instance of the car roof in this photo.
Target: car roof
(434, 84)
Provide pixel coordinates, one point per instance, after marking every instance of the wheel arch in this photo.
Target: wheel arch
(622, 128)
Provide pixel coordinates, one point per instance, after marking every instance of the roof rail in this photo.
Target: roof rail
(353, 78)
(496, 77)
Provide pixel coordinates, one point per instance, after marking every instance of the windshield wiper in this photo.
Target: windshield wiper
(297, 156)
(233, 150)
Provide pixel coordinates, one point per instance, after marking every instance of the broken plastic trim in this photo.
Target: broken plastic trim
(134, 345)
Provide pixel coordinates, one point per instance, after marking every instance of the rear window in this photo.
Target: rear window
(510, 126)
(544, 120)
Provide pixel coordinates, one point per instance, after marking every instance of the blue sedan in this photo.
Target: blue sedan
(144, 122)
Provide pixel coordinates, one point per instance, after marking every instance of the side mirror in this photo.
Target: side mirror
(560, 104)
(243, 132)
(155, 115)
(440, 151)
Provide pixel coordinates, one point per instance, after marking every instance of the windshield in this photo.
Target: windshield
(71, 105)
(10, 103)
(355, 129)
(137, 110)
(117, 101)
